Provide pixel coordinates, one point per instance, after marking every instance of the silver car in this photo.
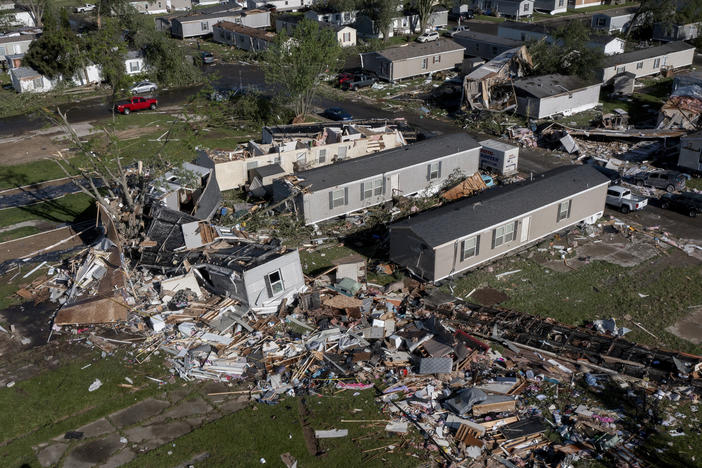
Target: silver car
(144, 87)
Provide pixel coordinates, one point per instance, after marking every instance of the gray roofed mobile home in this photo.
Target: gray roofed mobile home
(546, 95)
(201, 25)
(616, 19)
(348, 186)
(386, 161)
(460, 235)
(414, 59)
(487, 46)
(649, 61)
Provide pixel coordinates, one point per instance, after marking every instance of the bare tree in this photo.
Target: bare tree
(36, 9)
(423, 8)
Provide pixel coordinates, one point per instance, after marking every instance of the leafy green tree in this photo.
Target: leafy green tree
(382, 12)
(567, 53)
(57, 52)
(106, 49)
(295, 65)
(338, 5)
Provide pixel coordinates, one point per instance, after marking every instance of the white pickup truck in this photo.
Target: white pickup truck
(85, 8)
(623, 199)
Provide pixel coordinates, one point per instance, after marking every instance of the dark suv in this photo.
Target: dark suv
(670, 181)
(688, 203)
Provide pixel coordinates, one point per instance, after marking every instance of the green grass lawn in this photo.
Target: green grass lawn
(57, 401)
(263, 431)
(599, 290)
(493, 19)
(17, 233)
(68, 209)
(695, 183)
(644, 104)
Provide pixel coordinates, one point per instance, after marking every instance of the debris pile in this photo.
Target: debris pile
(477, 383)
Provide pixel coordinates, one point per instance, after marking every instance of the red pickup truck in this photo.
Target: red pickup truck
(136, 104)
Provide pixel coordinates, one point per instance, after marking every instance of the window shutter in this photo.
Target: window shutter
(363, 191)
(463, 250)
(439, 169)
(494, 236)
(331, 199)
(383, 185)
(346, 196)
(477, 245)
(429, 172)
(570, 203)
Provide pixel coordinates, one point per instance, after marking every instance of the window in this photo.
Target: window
(347, 37)
(601, 22)
(205, 26)
(2, 50)
(134, 66)
(470, 247)
(337, 198)
(561, 3)
(436, 59)
(564, 210)
(275, 283)
(322, 157)
(434, 170)
(657, 63)
(621, 69)
(342, 152)
(639, 65)
(425, 63)
(38, 83)
(372, 188)
(503, 234)
(526, 7)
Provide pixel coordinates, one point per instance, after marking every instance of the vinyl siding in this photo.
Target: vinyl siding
(257, 292)
(581, 100)
(679, 59)
(402, 69)
(316, 206)
(542, 222)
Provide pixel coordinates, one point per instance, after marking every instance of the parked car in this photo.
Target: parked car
(428, 37)
(85, 8)
(622, 198)
(143, 87)
(134, 104)
(336, 113)
(358, 81)
(688, 203)
(344, 77)
(670, 181)
(207, 58)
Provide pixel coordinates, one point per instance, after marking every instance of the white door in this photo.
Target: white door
(394, 184)
(525, 229)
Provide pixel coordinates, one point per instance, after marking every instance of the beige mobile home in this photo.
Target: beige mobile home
(415, 59)
(650, 61)
(459, 236)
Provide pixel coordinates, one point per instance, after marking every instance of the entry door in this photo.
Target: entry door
(525, 229)
(394, 184)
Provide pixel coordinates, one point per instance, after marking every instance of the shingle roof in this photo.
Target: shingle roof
(19, 38)
(385, 161)
(500, 204)
(641, 54)
(487, 38)
(25, 72)
(245, 30)
(618, 11)
(544, 27)
(419, 49)
(551, 85)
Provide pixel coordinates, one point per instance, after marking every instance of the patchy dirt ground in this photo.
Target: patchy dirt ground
(690, 327)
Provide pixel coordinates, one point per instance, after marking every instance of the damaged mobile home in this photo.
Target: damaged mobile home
(332, 191)
(304, 146)
(459, 236)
